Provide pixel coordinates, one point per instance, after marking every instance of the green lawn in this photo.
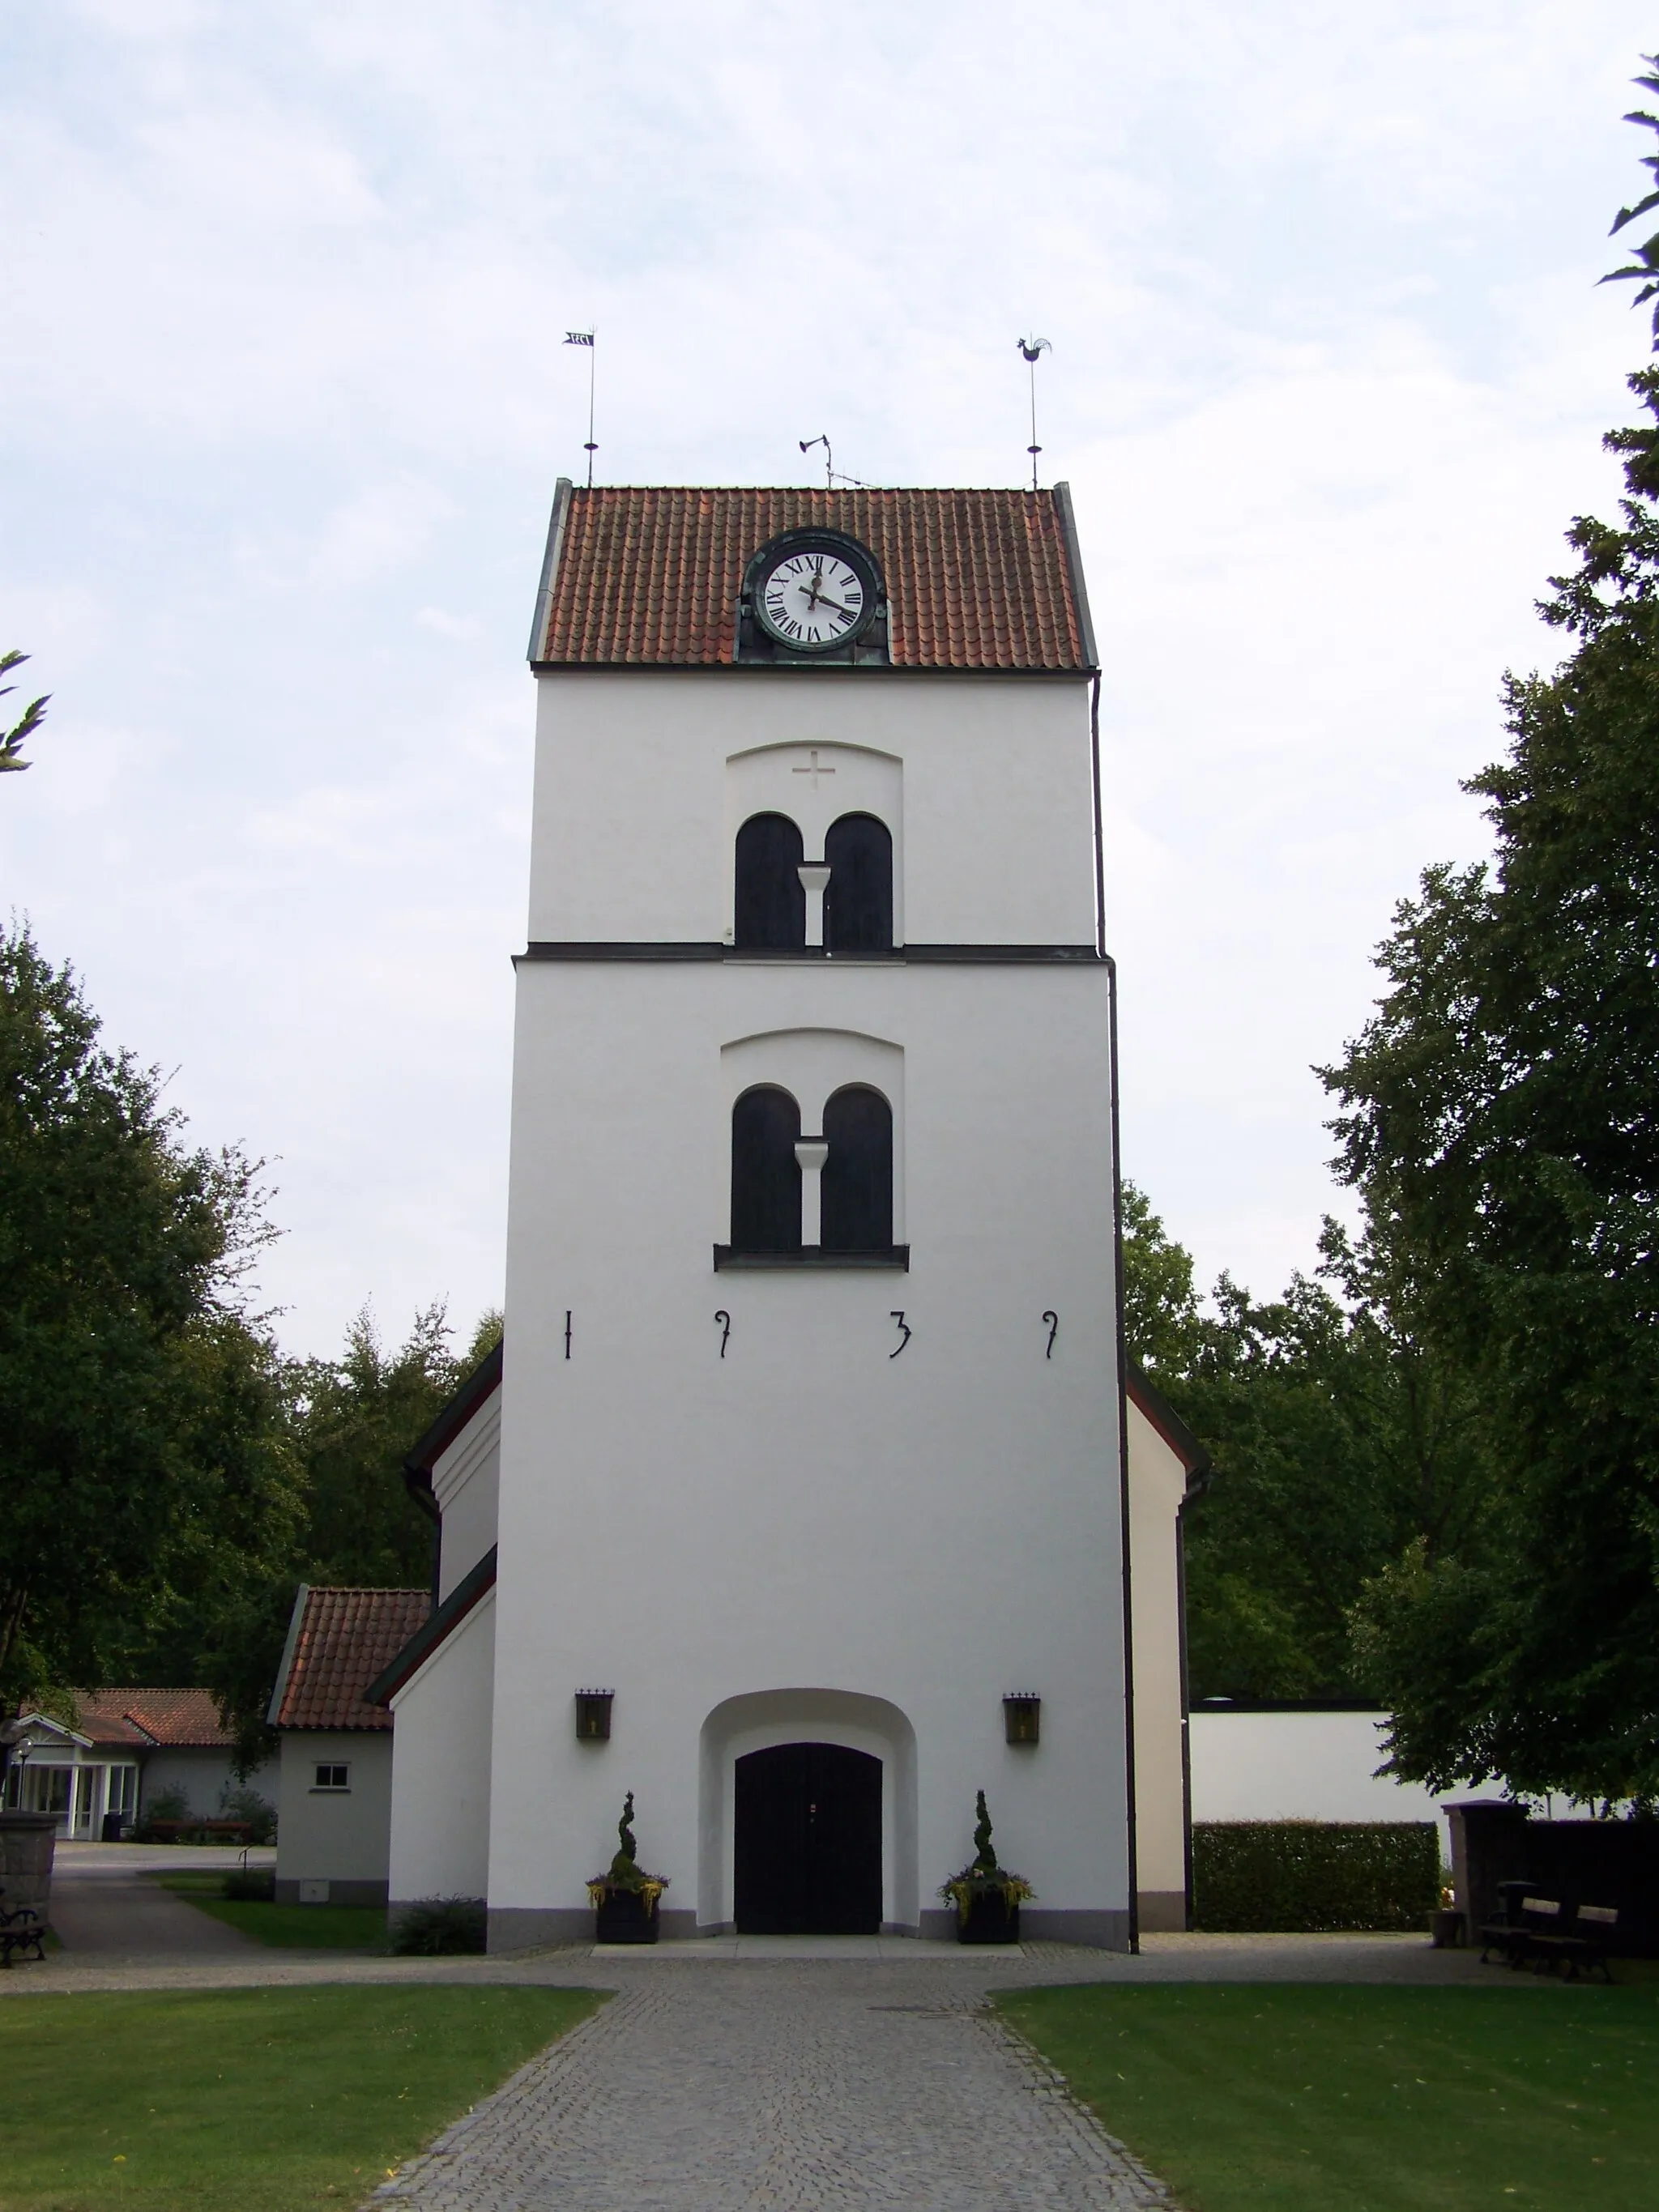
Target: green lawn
(246, 2100)
(1349, 2099)
(304, 1927)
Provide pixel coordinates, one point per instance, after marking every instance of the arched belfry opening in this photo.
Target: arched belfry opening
(769, 908)
(858, 902)
(765, 1173)
(857, 1177)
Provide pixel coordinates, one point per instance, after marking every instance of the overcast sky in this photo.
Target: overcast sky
(284, 399)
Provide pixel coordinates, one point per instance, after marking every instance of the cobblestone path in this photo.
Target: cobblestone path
(706, 2088)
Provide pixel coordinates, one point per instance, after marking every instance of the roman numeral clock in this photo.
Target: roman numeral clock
(812, 595)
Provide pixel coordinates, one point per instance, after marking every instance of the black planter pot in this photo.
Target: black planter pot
(623, 1919)
(991, 1919)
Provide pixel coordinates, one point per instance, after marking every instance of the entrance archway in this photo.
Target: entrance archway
(766, 1720)
(807, 1838)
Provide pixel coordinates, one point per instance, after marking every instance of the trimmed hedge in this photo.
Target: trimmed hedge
(1313, 1877)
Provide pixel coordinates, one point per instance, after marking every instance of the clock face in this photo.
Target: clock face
(811, 600)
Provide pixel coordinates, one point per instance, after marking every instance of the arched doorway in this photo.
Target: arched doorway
(807, 1820)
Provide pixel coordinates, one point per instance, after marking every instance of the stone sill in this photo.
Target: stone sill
(894, 1258)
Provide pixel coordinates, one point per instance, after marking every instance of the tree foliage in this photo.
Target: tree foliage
(1160, 1304)
(13, 740)
(143, 1471)
(1645, 269)
(1500, 1115)
(1341, 1440)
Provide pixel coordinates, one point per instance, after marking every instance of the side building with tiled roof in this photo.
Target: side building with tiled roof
(799, 1503)
(331, 1848)
(131, 1754)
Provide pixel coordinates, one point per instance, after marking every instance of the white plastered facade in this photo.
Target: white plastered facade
(441, 1766)
(332, 1845)
(770, 1528)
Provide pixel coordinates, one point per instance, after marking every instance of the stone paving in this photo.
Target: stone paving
(802, 2086)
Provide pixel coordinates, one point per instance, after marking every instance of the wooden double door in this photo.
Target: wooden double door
(808, 1841)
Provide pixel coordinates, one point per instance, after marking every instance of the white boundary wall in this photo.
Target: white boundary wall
(1299, 1766)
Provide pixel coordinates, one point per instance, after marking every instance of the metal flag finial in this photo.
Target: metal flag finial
(1033, 349)
(586, 338)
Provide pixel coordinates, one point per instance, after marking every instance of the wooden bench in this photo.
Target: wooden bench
(1582, 1941)
(1511, 1934)
(22, 1930)
(1541, 1933)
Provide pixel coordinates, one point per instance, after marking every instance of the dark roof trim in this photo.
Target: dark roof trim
(863, 671)
(1074, 564)
(1171, 1426)
(295, 1618)
(474, 1393)
(434, 1631)
(549, 567)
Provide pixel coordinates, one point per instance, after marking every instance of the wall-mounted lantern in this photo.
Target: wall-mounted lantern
(593, 1716)
(1022, 1716)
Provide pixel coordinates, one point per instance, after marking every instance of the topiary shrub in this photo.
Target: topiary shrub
(1313, 1877)
(983, 1876)
(440, 1926)
(625, 1873)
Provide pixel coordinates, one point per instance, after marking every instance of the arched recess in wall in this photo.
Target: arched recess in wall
(810, 1067)
(857, 1177)
(858, 903)
(759, 1719)
(768, 902)
(814, 781)
(765, 1173)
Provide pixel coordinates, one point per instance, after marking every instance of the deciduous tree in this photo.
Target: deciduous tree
(1500, 1115)
(142, 1466)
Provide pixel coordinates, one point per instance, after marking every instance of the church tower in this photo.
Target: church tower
(795, 1505)
(810, 1514)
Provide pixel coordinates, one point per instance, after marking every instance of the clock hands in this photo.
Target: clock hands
(817, 597)
(808, 593)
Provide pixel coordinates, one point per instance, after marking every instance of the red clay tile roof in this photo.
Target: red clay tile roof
(975, 578)
(345, 1639)
(143, 1717)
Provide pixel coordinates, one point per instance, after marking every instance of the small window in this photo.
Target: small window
(769, 909)
(765, 1173)
(857, 904)
(857, 1184)
(332, 1778)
